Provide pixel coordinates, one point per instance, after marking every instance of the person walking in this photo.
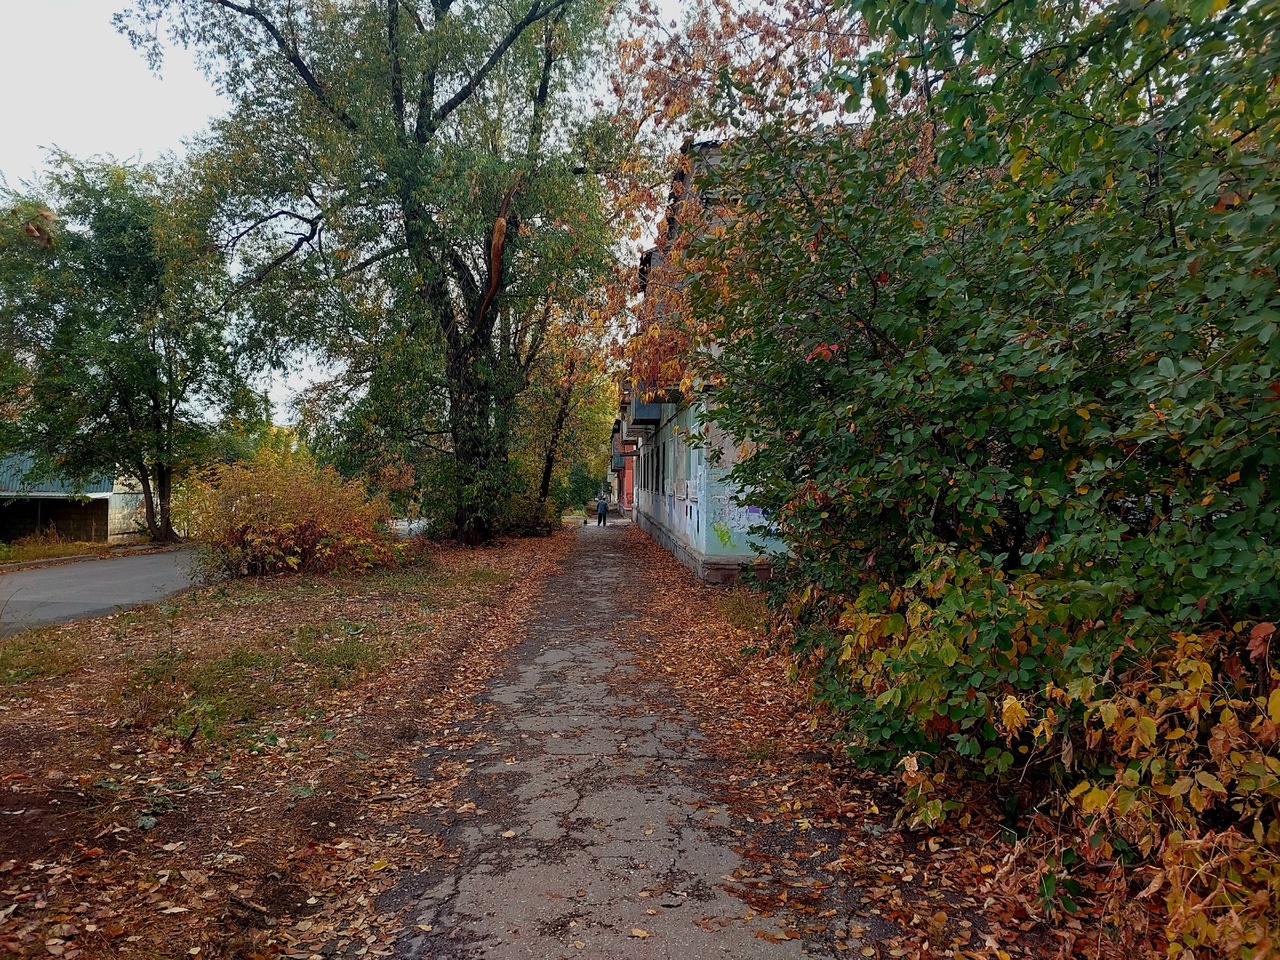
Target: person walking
(602, 512)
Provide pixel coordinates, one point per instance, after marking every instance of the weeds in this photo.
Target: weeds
(220, 665)
(746, 609)
(33, 656)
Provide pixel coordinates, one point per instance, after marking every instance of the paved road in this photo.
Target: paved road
(593, 837)
(90, 588)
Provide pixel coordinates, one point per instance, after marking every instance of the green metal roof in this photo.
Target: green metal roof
(13, 471)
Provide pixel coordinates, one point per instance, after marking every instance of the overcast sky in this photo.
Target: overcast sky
(70, 80)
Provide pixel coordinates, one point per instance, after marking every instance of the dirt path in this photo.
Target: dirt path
(591, 834)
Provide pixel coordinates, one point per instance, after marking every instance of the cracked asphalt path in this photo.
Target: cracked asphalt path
(591, 834)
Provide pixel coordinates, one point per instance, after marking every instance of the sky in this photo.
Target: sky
(70, 80)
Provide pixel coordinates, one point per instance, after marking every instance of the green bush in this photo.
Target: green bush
(1008, 356)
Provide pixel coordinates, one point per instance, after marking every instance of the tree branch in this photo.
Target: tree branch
(544, 88)
(397, 76)
(536, 13)
(291, 53)
(261, 221)
(303, 239)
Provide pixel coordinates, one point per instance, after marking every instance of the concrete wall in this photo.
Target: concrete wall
(684, 500)
(126, 515)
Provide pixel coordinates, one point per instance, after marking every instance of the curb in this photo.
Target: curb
(81, 557)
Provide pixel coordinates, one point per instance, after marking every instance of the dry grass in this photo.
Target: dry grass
(237, 744)
(29, 550)
(746, 610)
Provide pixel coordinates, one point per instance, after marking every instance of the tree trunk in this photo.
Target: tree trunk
(164, 485)
(148, 503)
(479, 488)
(553, 445)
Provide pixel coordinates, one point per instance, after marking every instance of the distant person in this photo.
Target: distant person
(602, 512)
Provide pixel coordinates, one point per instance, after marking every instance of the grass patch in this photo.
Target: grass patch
(761, 751)
(746, 609)
(339, 651)
(297, 637)
(28, 551)
(220, 665)
(33, 656)
(479, 578)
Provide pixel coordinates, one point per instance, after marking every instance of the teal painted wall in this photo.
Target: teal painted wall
(684, 491)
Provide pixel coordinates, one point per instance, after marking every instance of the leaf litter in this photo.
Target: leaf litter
(825, 859)
(139, 818)
(234, 774)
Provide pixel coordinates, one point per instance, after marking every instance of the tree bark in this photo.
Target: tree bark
(164, 484)
(553, 444)
(148, 503)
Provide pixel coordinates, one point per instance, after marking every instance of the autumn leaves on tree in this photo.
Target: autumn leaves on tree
(994, 296)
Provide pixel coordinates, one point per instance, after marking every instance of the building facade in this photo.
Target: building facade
(95, 511)
(683, 496)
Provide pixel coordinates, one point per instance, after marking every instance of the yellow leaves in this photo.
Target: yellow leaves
(1210, 782)
(1013, 715)
(1145, 731)
(1273, 706)
(1018, 162)
(640, 934)
(1038, 453)
(1095, 800)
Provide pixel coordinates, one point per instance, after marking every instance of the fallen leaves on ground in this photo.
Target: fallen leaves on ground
(237, 774)
(245, 773)
(823, 853)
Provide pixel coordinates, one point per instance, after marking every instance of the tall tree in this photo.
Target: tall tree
(110, 300)
(400, 178)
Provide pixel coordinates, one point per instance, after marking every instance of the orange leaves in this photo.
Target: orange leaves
(39, 228)
(282, 512)
(823, 351)
(1260, 641)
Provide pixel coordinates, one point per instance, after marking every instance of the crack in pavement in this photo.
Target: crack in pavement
(591, 834)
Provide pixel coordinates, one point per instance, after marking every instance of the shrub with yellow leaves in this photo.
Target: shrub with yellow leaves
(282, 512)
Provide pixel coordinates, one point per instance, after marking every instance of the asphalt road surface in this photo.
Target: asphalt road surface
(90, 588)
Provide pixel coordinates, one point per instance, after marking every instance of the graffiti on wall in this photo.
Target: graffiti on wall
(734, 516)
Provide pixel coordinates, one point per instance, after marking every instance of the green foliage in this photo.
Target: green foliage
(282, 512)
(33, 655)
(1008, 353)
(581, 485)
(110, 309)
(402, 186)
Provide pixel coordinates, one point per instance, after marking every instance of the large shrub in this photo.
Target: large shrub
(1007, 353)
(281, 511)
